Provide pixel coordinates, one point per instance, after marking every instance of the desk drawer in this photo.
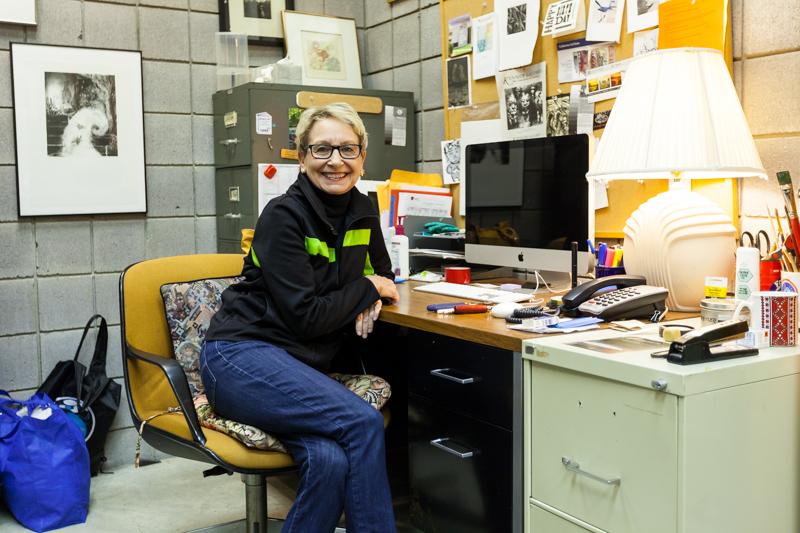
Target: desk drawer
(546, 522)
(604, 430)
(466, 377)
(462, 481)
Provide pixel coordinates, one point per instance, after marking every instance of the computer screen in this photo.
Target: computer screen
(526, 201)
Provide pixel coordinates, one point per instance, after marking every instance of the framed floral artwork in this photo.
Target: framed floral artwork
(260, 20)
(79, 130)
(326, 48)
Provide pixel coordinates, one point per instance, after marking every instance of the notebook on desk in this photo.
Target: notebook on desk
(469, 292)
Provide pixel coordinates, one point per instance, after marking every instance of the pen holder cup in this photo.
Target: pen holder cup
(603, 271)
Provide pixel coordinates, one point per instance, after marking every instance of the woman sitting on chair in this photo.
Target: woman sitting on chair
(317, 265)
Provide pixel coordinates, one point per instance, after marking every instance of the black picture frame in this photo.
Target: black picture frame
(225, 20)
(78, 130)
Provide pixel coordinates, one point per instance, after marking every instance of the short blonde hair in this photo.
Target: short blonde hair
(339, 111)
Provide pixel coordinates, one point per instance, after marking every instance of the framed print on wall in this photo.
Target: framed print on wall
(326, 48)
(18, 12)
(79, 130)
(258, 19)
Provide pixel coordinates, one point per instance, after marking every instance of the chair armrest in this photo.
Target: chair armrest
(180, 387)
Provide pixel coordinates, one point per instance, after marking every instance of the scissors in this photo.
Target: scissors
(761, 238)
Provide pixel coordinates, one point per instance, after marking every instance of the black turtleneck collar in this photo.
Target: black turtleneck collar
(335, 205)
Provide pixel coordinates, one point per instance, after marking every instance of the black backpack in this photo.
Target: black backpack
(90, 396)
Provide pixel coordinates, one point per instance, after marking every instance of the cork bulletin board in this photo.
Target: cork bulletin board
(623, 196)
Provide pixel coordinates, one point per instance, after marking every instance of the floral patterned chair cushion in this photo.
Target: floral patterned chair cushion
(189, 307)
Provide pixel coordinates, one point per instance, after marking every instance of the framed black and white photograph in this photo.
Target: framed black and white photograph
(79, 129)
(260, 20)
(18, 12)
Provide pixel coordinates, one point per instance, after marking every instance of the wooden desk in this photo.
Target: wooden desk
(482, 328)
(411, 312)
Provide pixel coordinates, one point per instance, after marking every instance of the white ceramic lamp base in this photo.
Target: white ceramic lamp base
(675, 240)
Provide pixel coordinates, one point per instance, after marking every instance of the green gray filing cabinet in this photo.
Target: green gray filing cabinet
(239, 148)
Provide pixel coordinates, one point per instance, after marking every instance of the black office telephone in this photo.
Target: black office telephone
(615, 298)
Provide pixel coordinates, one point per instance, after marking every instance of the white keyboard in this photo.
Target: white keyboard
(468, 292)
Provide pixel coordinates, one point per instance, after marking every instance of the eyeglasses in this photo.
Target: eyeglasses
(324, 151)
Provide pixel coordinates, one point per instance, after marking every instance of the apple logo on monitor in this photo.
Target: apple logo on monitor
(520, 257)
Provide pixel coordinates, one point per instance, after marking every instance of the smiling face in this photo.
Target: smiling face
(333, 175)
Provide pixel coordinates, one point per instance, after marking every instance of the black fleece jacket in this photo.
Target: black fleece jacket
(304, 280)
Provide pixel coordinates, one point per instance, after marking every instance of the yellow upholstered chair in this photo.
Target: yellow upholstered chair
(156, 382)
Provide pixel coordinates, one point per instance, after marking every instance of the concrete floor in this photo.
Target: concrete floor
(168, 497)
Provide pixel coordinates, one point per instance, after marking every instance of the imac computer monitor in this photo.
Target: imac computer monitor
(527, 200)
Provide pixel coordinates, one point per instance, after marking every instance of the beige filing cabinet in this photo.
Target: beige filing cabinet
(619, 442)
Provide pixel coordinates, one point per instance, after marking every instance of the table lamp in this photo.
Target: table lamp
(677, 117)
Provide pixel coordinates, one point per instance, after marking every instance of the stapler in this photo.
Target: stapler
(695, 346)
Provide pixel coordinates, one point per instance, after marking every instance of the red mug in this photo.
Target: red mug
(770, 273)
(457, 275)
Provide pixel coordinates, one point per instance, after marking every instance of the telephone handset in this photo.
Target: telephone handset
(625, 296)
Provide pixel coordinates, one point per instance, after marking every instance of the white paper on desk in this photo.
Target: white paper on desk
(517, 30)
(642, 14)
(605, 20)
(269, 189)
(475, 132)
(423, 205)
(484, 47)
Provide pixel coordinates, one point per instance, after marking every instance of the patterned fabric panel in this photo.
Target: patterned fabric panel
(373, 389)
(189, 307)
(250, 436)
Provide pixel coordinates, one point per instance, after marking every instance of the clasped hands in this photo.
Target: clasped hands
(365, 321)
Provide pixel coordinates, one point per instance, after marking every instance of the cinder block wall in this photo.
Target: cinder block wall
(766, 50)
(403, 53)
(55, 272)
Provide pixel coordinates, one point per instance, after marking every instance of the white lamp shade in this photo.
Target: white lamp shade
(677, 113)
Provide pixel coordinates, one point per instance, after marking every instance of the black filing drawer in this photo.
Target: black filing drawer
(469, 378)
(460, 472)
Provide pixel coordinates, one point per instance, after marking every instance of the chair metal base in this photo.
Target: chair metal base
(255, 510)
(240, 526)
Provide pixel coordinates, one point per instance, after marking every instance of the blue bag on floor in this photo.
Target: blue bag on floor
(44, 464)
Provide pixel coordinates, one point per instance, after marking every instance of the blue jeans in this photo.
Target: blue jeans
(335, 436)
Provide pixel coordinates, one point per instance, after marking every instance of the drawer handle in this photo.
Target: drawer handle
(442, 373)
(573, 466)
(228, 142)
(232, 215)
(440, 443)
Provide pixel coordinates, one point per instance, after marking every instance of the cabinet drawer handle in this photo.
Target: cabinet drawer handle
(573, 466)
(228, 142)
(440, 443)
(232, 215)
(442, 373)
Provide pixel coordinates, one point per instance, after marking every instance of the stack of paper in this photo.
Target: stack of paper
(412, 193)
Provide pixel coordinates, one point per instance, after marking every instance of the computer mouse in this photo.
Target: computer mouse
(503, 310)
